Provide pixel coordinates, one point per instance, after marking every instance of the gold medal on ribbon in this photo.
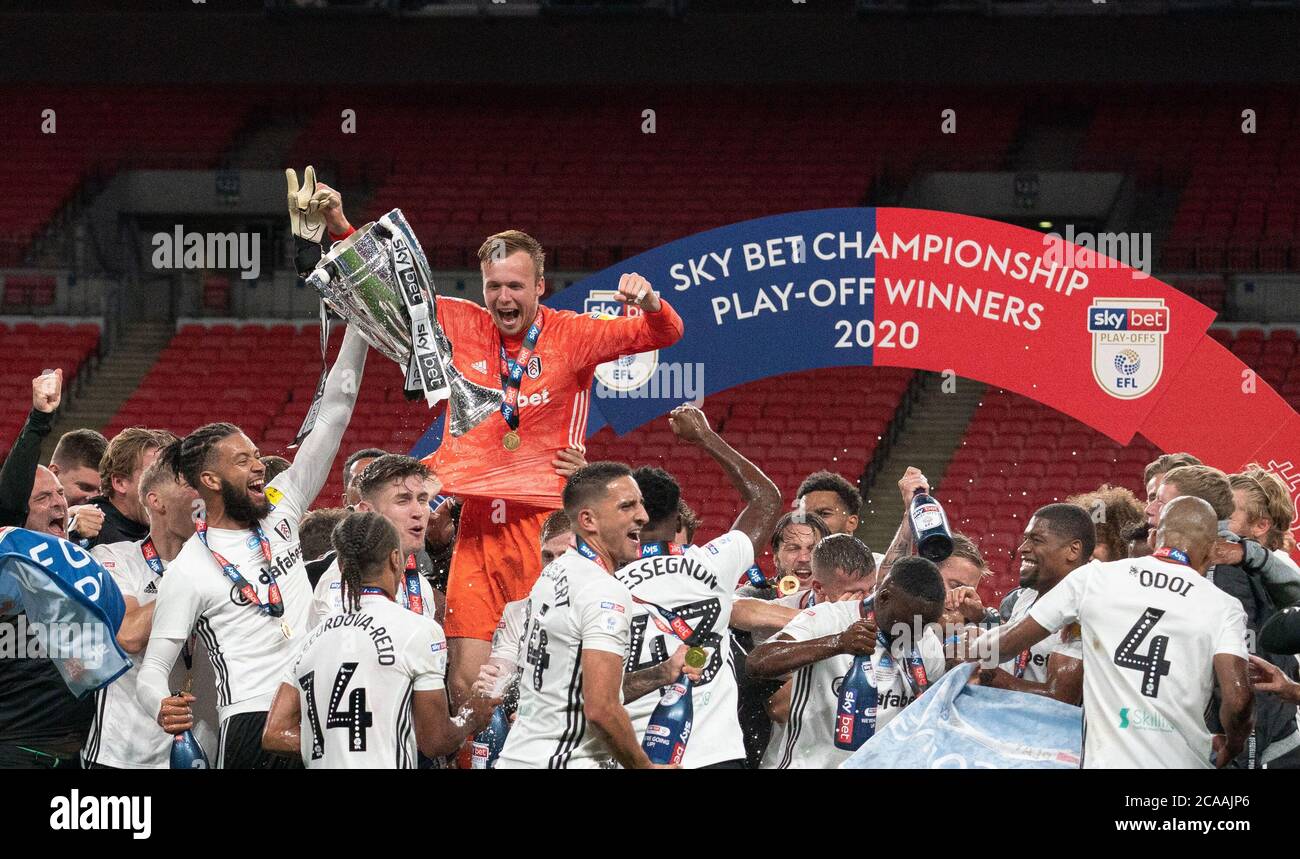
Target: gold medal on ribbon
(285, 629)
(787, 585)
(511, 441)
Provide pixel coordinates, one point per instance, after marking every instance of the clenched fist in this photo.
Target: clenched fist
(47, 391)
(635, 289)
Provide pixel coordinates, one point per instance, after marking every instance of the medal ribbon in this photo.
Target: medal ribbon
(371, 590)
(156, 566)
(1174, 556)
(661, 548)
(756, 577)
(674, 625)
(412, 598)
(588, 553)
(274, 606)
(512, 372)
(915, 676)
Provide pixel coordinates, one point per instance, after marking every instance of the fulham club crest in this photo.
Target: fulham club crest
(283, 529)
(1128, 344)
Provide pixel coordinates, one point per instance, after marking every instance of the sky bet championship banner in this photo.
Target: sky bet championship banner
(1053, 320)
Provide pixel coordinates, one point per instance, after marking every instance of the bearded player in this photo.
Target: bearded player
(544, 361)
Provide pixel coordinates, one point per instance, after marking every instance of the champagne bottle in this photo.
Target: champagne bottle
(670, 724)
(929, 527)
(187, 754)
(488, 742)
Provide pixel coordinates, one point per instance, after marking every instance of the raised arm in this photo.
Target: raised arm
(762, 498)
(18, 474)
(639, 683)
(901, 546)
(311, 466)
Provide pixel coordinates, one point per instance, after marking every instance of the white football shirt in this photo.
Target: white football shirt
(698, 586)
(507, 639)
(328, 596)
(574, 606)
(122, 734)
(1150, 629)
(1062, 642)
(356, 674)
(807, 739)
(247, 648)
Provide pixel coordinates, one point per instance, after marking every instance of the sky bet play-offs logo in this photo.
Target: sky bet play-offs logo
(627, 372)
(1128, 344)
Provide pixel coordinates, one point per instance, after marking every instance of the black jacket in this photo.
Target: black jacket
(19, 471)
(1275, 719)
(117, 527)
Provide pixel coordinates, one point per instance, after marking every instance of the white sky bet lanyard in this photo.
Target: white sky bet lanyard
(274, 606)
(512, 376)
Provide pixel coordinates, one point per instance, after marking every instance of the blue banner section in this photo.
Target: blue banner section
(758, 298)
(955, 726)
(72, 609)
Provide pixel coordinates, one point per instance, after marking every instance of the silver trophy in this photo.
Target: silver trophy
(379, 280)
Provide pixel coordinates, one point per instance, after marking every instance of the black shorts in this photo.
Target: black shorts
(240, 746)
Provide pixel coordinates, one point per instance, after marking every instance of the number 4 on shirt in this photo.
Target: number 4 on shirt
(1153, 664)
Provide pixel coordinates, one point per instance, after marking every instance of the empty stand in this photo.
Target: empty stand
(1018, 455)
(29, 348)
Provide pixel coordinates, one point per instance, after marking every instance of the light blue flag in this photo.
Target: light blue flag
(955, 726)
(68, 608)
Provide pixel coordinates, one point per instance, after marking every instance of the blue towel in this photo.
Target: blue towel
(68, 602)
(955, 726)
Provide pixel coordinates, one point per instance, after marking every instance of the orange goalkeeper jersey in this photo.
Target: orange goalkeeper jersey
(554, 395)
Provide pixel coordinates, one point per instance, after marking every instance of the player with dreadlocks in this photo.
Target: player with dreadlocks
(240, 580)
(369, 686)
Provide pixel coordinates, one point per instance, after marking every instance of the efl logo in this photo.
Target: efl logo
(1128, 344)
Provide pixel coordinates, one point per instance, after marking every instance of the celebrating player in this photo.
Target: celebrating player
(545, 361)
(571, 695)
(395, 487)
(386, 663)
(696, 584)
(1059, 539)
(819, 646)
(241, 576)
(1156, 635)
(124, 734)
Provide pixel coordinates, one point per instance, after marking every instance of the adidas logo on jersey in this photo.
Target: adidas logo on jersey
(479, 366)
(151, 588)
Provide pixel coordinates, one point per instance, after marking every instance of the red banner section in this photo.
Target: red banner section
(1084, 334)
(1216, 409)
